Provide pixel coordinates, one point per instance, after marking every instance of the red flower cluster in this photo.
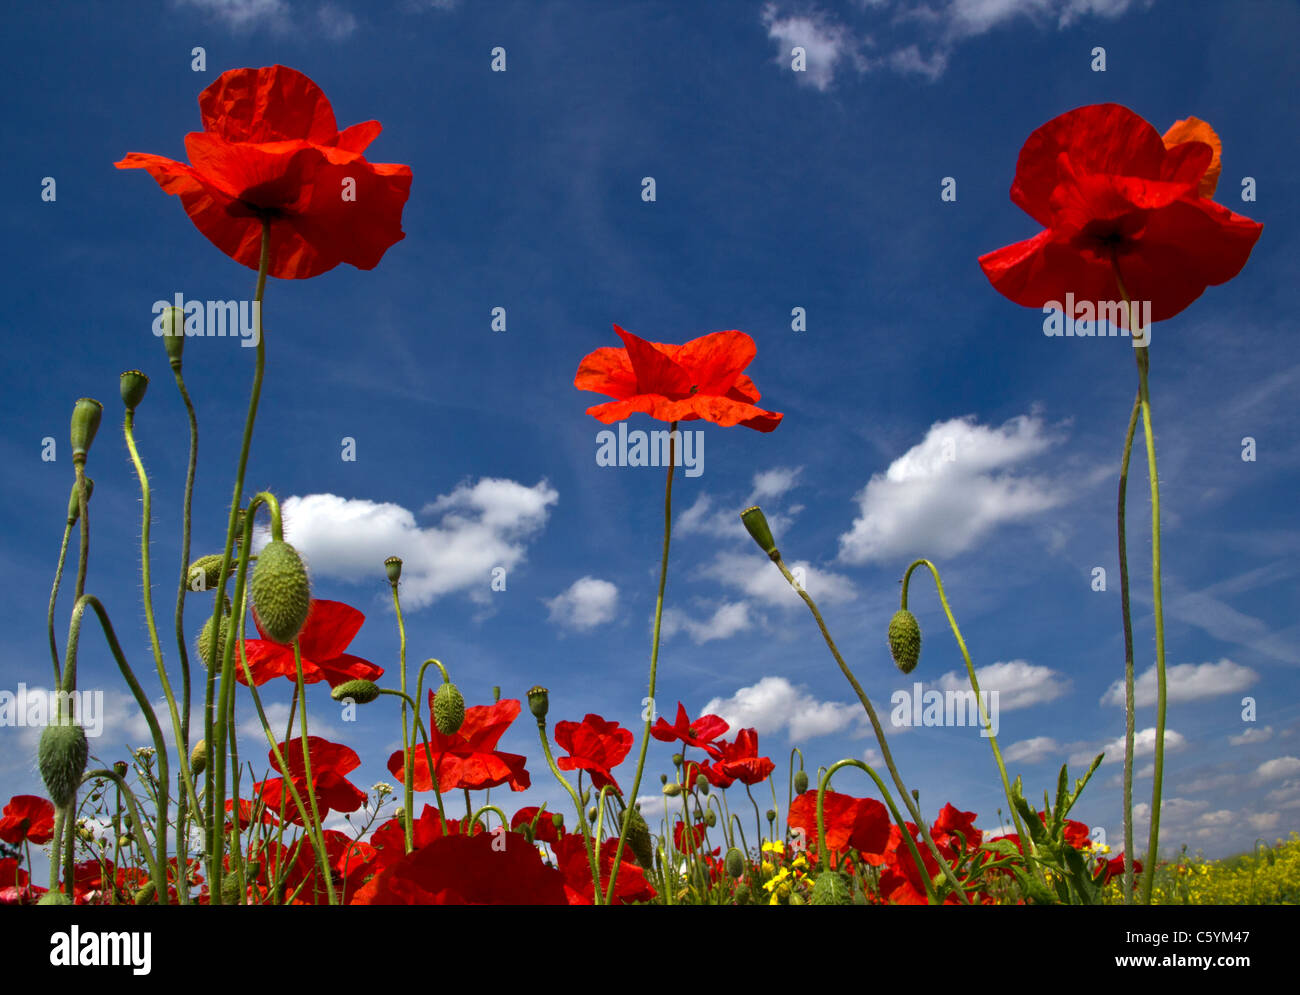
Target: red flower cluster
(468, 758)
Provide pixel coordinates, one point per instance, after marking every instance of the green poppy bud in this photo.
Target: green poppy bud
(133, 384)
(399, 814)
(360, 691)
(54, 898)
(592, 813)
(904, 640)
(800, 781)
(795, 899)
(205, 640)
(173, 336)
(205, 572)
(771, 815)
(199, 757)
(147, 894)
(742, 895)
(120, 768)
(85, 423)
(672, 790)
(61, 756)
(663, 778)
(735, 861)
(557, 820)
(756, 524)
(281, 592)
(677, 759)
(638, 837)
(710, 818)
(449, 708)
(74, 500)
(393, 567)
(702, 784)
(539, 702)
(831, 888)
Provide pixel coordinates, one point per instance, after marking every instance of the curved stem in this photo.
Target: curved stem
(1128, 652)
(54, 597)
(582, 819)
(315, 827)
(654, 654)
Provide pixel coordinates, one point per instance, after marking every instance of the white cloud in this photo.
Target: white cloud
(827, 44)
(910, 60)
(336, 22)
(1031, 751)
(1263, 822)
(482, 526)
(949, 491)
(243, 15)
(1185, 682)
(1252, 735)
(1223, 817)
(769, 484)
(1277, 768)
(1173, 812)
(587, 603)
(774, 704)
(756, 576)
(1019, 684)
(1144, 744)
(729, 618)
(702, 518)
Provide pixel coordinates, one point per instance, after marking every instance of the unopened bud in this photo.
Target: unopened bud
(74, 501)
(756, 524)
(800, 781)
(360, 691)
(85, 423)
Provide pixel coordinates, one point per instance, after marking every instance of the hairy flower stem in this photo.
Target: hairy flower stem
(1143, 357)
(908, 800)
(54, 597)
(315, 827)
(183, 807)
(212, 834)
(592, 853)
(407, 751)
(654, 656)
(1128, 652)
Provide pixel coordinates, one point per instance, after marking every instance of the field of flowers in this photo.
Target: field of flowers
(1126, 213)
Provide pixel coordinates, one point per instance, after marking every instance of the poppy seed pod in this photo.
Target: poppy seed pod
(173, 334)
(449, 708)
(904, 640)
(230, 889)
(362, 692)
(702, 784)
(756, 525)
(74, 501)
(61, 756)
(199, 757)
(678, 759)
(539, 702)
(742, 895)
(133, 384)
(393, 568)
(831, 888)
(281, 592)
(735, 861)
(557, 820)
(800, 781)
(86, 414)
(771, 815)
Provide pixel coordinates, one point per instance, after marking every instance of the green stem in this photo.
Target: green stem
(582, 820)
(654, 655)
(1127, 617)
(407, 752)
(54, 597)
(183, 808)
(315, 827)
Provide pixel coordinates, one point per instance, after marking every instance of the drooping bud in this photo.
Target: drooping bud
(393, 567)
(800, 781)
(663, 778)
(449, 708)
(205, 640)
(677, 759)
(831, 888)
(638, 837)
(199, 757)
(173, 334)
(85, 423)
(710, 818)
(280, 591)
(592, 813)
(756, 524)
(360, 691)
(735, 861)
(672, 790)
(904, 640)
(205, 572)
(133, 384)
(539, 702)
(701, 784)
(74, 501)
(61, 756)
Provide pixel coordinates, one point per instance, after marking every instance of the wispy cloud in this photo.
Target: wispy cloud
(1185, 682)
(587, 603)
(774, 704)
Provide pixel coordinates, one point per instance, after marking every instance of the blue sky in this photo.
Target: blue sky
(775, 189)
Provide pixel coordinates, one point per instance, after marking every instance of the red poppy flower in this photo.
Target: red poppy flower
(952, 821)
(575, 865)
(330, 762)
(703, 378)
(265, 816)
(468, 758)
(741, 761)
(696, 839)
(270, 149)
(27, 817)
(1110, 193)
(349, 862)
(701, 733)
(544, 828)
(593, 745)
(851, 823)
(331, 626)
(1114, 868)
(467, 870)
(16, 887)
(713, 773)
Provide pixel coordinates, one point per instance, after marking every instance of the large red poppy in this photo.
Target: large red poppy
(468, 758)
(740, 760)
(1110, 193)
(484, 869)
(16, 887)
(331, 626)
(701, 733)
(851, 823)
(270, 149)
(330, 764)
(27, 817)
(593, 745)
(703, 378)
(575, 865)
